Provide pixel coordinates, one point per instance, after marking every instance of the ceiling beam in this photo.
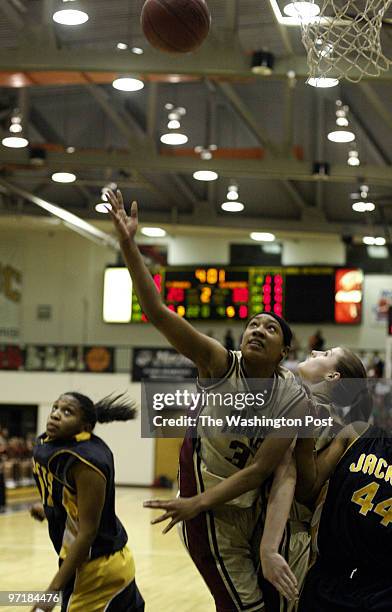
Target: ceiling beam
(249, 119)
(377, 103)
(269, 169)
(12, 14)
(214, 58)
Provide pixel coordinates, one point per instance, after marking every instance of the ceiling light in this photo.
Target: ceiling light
(154, 232)
(262, 236)
(64, 177)
(174, 138)
(353, 158)
(128, 84)
(379, 241)
(262, 62)
(368, 240)
(233, 206)
(122, 46)
(205, 175)
(322, 82)
(363, 207)
(137, 50)
(15, 142)
(232, 192)
(341, 135)
(70, 149)
(304, 10)
(102, 207)
(174, 124)
(70, 16)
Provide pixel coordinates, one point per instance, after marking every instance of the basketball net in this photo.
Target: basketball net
(343, 40)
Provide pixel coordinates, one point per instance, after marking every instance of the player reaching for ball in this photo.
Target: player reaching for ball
(220, 476)
(74, 471)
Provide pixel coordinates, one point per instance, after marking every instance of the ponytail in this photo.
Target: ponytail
(115, 408)
(110, 408)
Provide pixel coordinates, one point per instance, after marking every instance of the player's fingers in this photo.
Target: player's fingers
(170, 526)
(161, 518)
(112, 199)
(134, 209)
(120, 198)
(282, 588)
(287, 588)
(162, 504)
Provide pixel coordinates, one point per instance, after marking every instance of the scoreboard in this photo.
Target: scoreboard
(301, 294)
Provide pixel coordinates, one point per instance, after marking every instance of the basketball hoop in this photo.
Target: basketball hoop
(343, 40)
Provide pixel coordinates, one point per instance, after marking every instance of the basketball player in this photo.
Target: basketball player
(223, 468)
(352, 570)
(74, 472)
(326, 376)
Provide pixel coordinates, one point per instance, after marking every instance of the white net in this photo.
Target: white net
(344, 39)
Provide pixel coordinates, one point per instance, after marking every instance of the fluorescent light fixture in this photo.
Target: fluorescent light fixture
(70, 17)
(103, 208)
(122, 46)
(205, 175)
(15, 142)
(233, 206)
(363, 207)
(379, 241)
(322, 82)
(174, 138)
(368, 240)
(153, 232)
(117, 296)
(341, 136)
(303, 10)
(128, 84)
(137, 50)
(262, 236)
(64, 177)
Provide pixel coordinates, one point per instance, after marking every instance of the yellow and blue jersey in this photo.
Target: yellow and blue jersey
(52, 460)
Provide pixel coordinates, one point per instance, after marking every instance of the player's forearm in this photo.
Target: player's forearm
(278, 509)
(241, 482)
(144, 286)
(77, 554)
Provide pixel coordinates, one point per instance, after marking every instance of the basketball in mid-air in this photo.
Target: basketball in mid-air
(175, 26)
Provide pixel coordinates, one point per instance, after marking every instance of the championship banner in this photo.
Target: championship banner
(161, 364)
(54, 358)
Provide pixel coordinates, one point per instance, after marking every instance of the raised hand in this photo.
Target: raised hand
(125, 225)
(179, 509)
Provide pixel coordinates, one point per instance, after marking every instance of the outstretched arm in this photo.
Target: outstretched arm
(275, 567)
(208, 354)
(268, 456)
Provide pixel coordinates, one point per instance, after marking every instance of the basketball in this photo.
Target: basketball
(175, 26)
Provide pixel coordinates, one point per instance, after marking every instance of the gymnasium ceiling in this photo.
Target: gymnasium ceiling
(269, 130)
